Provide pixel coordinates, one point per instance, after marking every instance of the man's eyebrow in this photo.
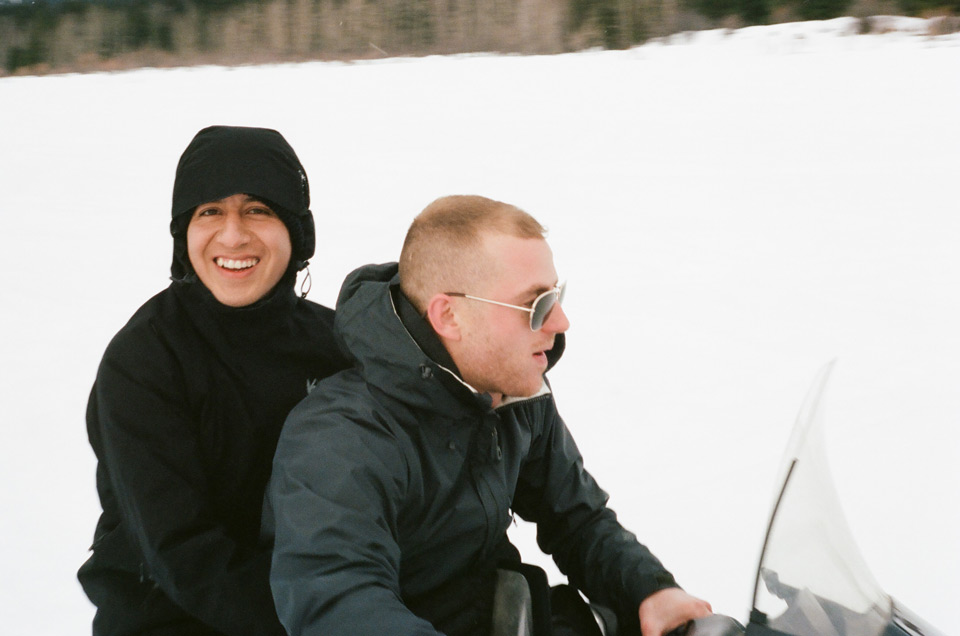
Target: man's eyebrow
(533, 291)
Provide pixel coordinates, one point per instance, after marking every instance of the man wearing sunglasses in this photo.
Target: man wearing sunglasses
(394, 482)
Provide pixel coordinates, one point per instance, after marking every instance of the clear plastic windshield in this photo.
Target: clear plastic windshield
(812, 580)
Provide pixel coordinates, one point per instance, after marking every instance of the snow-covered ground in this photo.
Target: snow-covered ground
(731, 211)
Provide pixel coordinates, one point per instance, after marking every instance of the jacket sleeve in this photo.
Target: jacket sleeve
(337, 479)
(575, 526)
(150, 445)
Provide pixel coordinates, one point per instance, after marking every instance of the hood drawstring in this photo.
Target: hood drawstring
(307, 283)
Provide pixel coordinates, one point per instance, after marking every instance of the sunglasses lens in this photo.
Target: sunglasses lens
(544, 305)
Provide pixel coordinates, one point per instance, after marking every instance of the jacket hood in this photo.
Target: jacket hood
(370, 331)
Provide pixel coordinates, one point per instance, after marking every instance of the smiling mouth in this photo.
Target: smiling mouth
(236, 265)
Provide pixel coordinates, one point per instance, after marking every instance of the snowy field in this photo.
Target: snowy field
(731, 211)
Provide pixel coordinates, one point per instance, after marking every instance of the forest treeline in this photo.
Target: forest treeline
(73, 35)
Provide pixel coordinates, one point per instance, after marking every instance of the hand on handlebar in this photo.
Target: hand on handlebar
(668, 609)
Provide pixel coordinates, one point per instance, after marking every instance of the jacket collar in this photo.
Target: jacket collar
(278, 300)
(420, 330)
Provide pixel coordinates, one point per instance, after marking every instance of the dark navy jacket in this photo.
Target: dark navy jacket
(394, 484)
(184, 418)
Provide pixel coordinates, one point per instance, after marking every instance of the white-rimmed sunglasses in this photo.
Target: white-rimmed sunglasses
(539, 310)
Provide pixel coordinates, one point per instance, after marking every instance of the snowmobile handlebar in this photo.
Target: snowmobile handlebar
(713, 625)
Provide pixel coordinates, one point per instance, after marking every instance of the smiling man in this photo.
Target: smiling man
(191, 395)
(394, 482)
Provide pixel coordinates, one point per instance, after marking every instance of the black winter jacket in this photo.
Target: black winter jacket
(184, 418)
(394, 484)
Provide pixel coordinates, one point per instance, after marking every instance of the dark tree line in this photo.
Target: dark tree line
(56, 34)
(759, 11)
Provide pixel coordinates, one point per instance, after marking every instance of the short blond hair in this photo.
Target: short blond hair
(442, 250)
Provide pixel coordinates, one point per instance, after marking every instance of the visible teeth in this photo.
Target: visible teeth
(229, 263)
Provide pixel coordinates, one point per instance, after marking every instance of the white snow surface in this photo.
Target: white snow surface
(731, 211)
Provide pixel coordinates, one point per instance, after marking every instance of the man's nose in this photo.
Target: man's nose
(234, 232)
(557, 321)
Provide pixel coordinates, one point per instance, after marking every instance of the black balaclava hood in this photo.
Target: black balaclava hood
(222, 161)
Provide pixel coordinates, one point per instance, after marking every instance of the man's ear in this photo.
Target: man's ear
(443, 318)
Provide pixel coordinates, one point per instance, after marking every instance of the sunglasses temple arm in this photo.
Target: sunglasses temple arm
(529, 310)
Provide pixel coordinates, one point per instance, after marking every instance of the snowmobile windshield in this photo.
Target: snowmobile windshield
(812, 580)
